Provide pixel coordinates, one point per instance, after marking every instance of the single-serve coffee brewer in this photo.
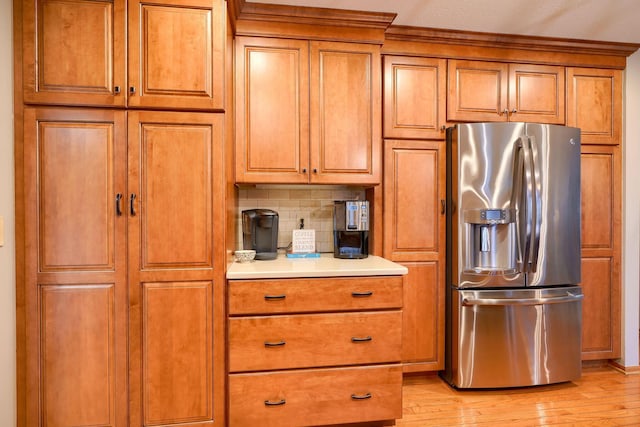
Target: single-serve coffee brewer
(260, 232)
(350, 229)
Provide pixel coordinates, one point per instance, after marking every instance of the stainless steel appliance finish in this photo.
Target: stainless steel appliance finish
(517, 337)
(351, 229)
(513, 255)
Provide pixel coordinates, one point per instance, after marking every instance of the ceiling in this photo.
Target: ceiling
(602, 20)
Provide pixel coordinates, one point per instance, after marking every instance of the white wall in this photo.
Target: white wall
(631, 219)
(7, 252)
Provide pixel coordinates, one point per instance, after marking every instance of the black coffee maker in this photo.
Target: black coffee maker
(260, 232)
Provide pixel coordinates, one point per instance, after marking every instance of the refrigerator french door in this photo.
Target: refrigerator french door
(513, 255)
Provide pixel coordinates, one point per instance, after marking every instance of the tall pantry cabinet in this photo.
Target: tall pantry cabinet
(414, 199)
(120, 294)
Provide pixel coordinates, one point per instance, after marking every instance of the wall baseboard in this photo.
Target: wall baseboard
(627, 370)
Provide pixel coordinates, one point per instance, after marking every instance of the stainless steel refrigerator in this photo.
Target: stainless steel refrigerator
(513, 255)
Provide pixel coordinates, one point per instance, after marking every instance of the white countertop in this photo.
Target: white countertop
(325, 266)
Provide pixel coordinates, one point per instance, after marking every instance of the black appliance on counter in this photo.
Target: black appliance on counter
(350, 229)
(260, 232)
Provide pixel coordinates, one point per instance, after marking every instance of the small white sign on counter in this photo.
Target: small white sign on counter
(303, 241)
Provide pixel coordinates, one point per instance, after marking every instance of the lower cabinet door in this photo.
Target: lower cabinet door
(316, 396)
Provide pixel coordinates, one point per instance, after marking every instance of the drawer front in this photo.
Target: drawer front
(313, 295)
(316, 397)
(308, 340)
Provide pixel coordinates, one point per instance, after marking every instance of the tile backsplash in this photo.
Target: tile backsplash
(313, 205)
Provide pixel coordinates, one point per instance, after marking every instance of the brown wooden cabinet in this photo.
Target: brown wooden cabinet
(414, 235)
(601, 251)
(594, 104)
(298, 358)
(307, 112)
(75, 296)
(495, 91)
(175, 366)
(415, 97)
(97, 228)
(75, 53)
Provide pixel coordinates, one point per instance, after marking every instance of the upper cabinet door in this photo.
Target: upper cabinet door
(176, 53)
(272, 110)
(345, 131)
(499, 92)
(477, 91)
(594, 104)
(414, 97)
(74, 52)
(536, 94)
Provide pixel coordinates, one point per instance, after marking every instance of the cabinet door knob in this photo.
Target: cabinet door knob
(116, 90)
(315, 170)
(514, 111)
(304, 170)
(505, 112)
(132, 90)
(443, 207)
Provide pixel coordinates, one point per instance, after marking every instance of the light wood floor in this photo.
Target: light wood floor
(602, 397)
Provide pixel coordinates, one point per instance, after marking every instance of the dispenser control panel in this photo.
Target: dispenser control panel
(489, 216)
(493, 215)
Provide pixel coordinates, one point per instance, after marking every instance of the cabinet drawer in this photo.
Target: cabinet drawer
(300, 341)
(315, 397)
(309, 295)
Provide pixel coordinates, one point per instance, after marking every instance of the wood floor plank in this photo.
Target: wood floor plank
(602, 397)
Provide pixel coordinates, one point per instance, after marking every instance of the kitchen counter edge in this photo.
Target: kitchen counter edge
(325, 266)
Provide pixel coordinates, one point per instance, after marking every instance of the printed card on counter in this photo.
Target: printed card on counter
(303, 241)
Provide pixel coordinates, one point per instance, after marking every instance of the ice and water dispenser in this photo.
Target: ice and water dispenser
(491, 241)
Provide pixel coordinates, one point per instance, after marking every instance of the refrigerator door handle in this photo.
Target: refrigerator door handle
(522, 301)
(537, 206)
(523, 185)
(529, 202)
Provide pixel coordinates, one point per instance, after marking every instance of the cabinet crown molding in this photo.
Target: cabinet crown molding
(315, 15)
(508, 41)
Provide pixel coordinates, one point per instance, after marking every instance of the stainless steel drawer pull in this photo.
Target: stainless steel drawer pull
(274, 344)
(361, 396)
(274, 402)
(361, 294)
(274, 297)
(361, 339)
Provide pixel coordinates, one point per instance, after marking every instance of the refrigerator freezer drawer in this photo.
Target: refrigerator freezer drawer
(513, 338)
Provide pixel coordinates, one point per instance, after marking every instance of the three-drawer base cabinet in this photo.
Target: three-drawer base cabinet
(314, 351)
